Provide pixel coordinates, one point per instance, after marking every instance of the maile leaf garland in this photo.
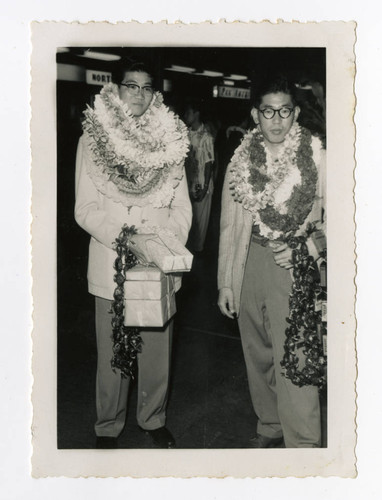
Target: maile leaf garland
(305, 322)
(127, 342)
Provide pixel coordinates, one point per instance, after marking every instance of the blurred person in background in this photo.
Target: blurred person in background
(199, 169)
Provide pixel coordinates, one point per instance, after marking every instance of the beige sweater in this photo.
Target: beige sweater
(236, 229)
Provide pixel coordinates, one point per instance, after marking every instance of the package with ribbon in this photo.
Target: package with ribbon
(149, 297)
(162, 249)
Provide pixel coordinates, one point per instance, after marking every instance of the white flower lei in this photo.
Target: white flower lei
(282, 172)
(143, 157)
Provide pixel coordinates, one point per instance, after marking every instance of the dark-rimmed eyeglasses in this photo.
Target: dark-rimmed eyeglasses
(134, 89)
(269, 113)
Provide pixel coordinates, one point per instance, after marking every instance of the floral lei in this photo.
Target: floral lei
(278, 191)
(142, 156)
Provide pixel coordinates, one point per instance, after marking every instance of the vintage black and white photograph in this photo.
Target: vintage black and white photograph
(192, 256)
(242, 361)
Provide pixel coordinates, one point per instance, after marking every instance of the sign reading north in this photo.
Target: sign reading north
(97, 77)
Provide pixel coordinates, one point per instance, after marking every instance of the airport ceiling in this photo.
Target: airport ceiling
(309, 62)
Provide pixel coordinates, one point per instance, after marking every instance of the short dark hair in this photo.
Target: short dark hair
(272, 84)
(127, 64)
(199, 104)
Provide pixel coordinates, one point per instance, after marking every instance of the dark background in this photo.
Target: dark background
(209, 405)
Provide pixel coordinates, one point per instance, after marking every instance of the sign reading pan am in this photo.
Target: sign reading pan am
(233, 92)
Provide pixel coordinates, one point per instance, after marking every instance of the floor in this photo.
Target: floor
(209, 403)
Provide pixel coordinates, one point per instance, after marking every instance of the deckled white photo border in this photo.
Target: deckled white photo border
(338, 459)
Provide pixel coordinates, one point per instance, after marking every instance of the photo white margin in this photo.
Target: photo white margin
(338, 459)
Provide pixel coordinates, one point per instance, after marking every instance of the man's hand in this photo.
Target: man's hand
(283, 256)
(195, 191)
(225, 302)
(201, 194)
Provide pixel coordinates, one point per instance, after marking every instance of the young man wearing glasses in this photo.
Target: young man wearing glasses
(273, 188)
(122, 180)
(136, 90)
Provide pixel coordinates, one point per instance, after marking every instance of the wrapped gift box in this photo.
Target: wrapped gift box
(145, 283)
(162, 249)
(149, 297)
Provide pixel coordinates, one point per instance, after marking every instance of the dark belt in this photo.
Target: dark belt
(260, 240)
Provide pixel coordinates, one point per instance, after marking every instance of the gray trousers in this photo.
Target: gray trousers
(153, 377)
(201, 211)
(282, 407)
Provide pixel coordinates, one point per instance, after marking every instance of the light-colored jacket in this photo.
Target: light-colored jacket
(236, 229)
(103, 218)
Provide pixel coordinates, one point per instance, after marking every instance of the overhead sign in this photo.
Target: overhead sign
(233, 92)
(97, 77)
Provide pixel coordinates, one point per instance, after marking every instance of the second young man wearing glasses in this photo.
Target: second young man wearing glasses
(274, 186)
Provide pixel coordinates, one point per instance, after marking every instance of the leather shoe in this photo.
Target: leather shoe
(106, 443)
(261, 441)
(161, 437)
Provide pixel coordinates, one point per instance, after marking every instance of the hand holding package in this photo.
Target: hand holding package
(162, 249)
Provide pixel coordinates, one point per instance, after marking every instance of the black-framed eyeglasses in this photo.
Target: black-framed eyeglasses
(134, 89)
(269, 113)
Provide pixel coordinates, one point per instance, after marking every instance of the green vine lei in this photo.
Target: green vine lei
(127, 342)
(304, 321)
